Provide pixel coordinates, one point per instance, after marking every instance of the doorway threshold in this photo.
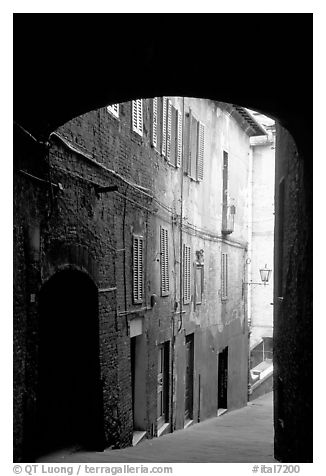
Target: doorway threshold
(221, 411)
(188, 423)
(138, 436)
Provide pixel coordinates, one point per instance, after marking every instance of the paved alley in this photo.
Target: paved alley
(241, 436)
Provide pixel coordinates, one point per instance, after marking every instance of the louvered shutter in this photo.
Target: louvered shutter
(179, 139)
(168, 130)
(200, 152)
(164, 113)
(137, 269)
(154, 122)
(186, 274)
(174, 135)
(193, 147)
(137, 116)
(187, 134)
(114, 109)
(164, 252)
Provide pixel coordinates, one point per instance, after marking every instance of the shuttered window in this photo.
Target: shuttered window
(179, 139)
(114, 109)
(174, 136)
(154, 121)
(199, 283)
(138, 269)
(164, 252)
(164, 123)
(200, 152)
(186, 274)
(168, 130)
(224, 276)
(194, 147)
(137, 116)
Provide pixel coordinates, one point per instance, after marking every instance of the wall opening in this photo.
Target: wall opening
(69, 401)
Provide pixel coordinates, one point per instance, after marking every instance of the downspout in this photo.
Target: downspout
(181, 219)
(247, 288)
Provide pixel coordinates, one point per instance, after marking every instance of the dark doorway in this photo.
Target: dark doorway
(222, 396)
(189, 393)
(69, 394)
(163, 384)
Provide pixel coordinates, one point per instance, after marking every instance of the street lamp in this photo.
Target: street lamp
(264, 275)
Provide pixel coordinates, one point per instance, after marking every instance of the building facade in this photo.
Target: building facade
(261, 239)
(131, 233)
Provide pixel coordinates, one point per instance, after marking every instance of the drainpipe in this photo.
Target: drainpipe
(248, 275)
(181, 219)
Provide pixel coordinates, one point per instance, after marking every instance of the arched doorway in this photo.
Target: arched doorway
(69, 392)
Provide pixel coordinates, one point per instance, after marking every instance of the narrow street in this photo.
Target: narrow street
(241, 436)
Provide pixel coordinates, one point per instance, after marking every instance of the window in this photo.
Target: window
(186, 274)
(154, 122)
(194, 147)
(224, 276)
(164, 252)
(179, 139)
(199, 283)
(167, 128)
(137, 116)
(225, 190)
(137, 269)
(164, 122)
(114, 110)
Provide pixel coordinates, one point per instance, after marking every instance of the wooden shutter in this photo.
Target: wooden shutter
(164, 113)
(137, 116)
(179, 139)
(164, 252)
(186, 274)
(193, 147)
(154, 122)
(187, 131)
(200, 152)
(137, 269)
(114, 109)
(168, 130)
(174, 135)
(224, 277)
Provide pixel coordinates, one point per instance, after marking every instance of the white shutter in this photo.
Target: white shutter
(179, 140)
(164, 111)
(137, 269)
(114, 110)
(200, 151)
(168, 130)
(186, 274)
(164, 252)
(137, 116)
(154, 122)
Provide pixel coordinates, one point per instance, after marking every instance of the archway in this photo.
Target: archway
(69, 393)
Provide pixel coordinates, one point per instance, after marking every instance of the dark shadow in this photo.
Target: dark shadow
(69, 395)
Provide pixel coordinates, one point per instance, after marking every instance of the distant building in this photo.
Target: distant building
(261, 241)
(131, 236)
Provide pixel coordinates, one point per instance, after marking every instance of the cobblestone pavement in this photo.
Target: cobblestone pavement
(241, 436)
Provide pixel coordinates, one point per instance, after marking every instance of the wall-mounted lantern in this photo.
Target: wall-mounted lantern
(264, 275)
